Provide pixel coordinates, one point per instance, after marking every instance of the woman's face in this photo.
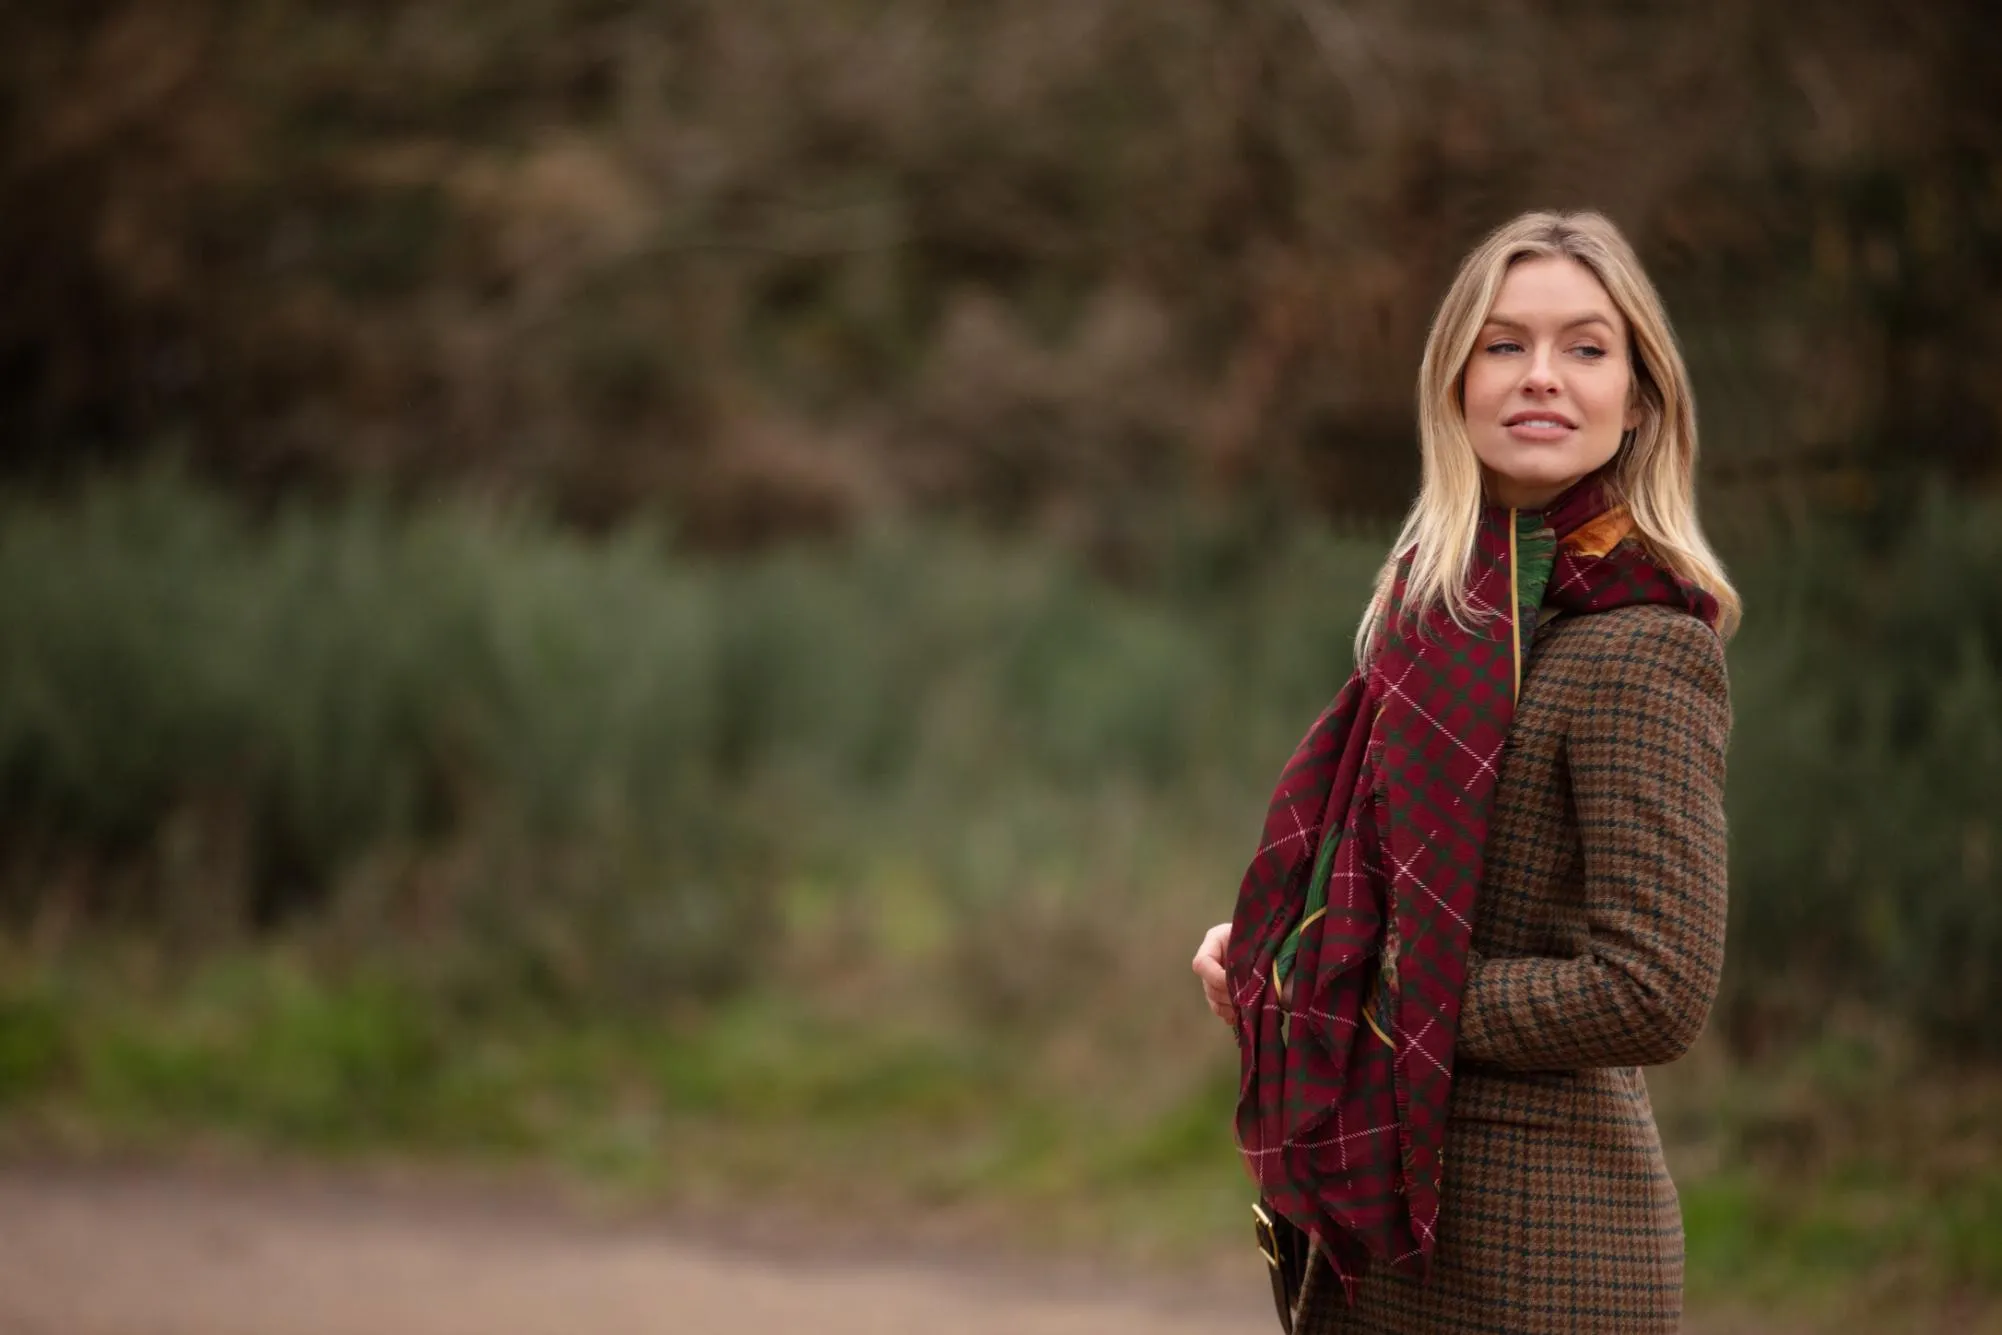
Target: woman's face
(1548, 388)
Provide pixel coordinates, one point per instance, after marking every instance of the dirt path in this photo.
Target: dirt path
(150, 1252)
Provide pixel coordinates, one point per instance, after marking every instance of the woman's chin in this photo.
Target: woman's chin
(1528, 489)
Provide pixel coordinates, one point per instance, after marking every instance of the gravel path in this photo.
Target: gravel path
(124, 1251)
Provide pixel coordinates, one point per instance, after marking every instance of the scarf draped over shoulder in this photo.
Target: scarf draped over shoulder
(1348, 949)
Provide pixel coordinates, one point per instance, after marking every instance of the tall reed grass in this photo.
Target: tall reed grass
(533, 769)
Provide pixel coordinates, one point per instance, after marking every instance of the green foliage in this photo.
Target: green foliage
(1866, 783)
(31, 1044)
(264, 1047)
(262, 716)
(578, 772)
(574, 766)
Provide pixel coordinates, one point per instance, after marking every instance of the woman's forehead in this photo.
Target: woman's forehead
(1547, 292)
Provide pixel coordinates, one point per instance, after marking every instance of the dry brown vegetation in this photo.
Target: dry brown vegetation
(776, 266)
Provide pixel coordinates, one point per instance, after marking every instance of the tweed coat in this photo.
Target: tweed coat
(1596, 949)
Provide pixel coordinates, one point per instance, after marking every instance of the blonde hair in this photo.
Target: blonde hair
(1653, 472)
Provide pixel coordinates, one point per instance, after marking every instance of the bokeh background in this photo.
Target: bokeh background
(708, 593)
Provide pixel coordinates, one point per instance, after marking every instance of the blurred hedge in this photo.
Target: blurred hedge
(1866, 777)
(589, 771)
(587, 759)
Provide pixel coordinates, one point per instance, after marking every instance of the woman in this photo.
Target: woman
(1491, 883)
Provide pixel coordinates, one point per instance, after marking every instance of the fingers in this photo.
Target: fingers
(1208, 966)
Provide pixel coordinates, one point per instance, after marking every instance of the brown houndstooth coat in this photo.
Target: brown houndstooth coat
(1596, 951)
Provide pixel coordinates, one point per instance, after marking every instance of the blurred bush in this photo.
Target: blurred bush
(589, 760)
(607, 774)
(783, 268)
(1866, 778)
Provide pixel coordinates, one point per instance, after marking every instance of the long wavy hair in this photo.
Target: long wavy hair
(1653, 471)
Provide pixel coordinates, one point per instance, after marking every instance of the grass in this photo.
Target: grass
(1800, 1200)
(766, 1092)
(1772, 1241)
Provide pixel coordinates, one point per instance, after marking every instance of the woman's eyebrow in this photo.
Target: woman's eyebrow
(1583, 318)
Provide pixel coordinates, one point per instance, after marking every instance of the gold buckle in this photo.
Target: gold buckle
(1268, 1240)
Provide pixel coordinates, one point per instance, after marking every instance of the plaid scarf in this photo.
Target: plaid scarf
(1348, 952)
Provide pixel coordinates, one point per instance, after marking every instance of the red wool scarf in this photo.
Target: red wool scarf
(1347, 982)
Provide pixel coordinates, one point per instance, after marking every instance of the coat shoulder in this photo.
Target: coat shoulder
(1642, 637)
(1662, 652)
(1621, 626)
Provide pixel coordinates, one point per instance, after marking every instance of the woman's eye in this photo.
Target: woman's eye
(1590, 351)
(1504, 345)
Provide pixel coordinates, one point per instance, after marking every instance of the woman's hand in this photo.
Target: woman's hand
(1208, 965)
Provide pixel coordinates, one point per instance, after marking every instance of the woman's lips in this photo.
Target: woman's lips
(1537, 430)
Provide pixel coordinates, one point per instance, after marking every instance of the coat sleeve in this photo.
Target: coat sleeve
(1646, 749)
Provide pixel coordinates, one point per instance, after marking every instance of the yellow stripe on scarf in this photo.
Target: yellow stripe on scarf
(1515, 602)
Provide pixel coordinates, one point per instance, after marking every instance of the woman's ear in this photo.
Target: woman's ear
(1637, 406)
(1637, 388)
